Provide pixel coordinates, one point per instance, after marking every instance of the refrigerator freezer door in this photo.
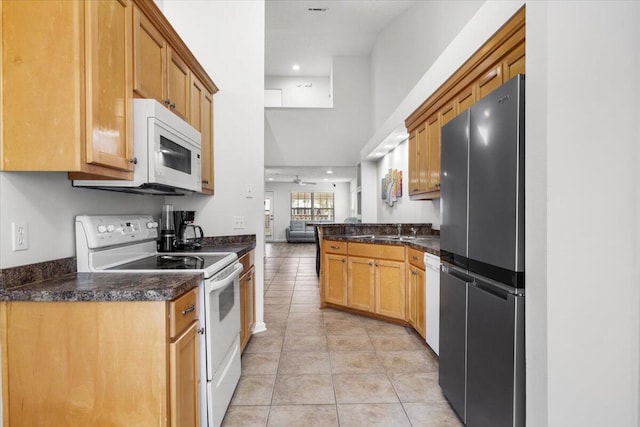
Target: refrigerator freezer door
(496, 178)
(453, 337)
(453, 188)
(495, 357)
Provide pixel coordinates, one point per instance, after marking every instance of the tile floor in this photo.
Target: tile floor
(317, 367)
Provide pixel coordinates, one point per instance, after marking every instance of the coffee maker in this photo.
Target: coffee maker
(188, 235)
(167, 229)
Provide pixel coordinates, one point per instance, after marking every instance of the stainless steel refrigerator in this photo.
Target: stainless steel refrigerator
(482, 253)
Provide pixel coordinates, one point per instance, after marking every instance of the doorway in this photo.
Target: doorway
(268, 216)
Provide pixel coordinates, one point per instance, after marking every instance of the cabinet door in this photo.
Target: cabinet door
(183, 364)
(465, 99)
(514, 63)
(335, 277)
(207, 143)
(489, 81)
(423, 153)
(247, 306)
(178, 84)
(361, 283)
(433, 157)
(149, 59)
(411, 296)
(421, 303)
(413, 162)
(108, 82)
(389, 289)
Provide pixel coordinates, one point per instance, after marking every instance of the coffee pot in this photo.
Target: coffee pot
(188, 234)
(167, 229)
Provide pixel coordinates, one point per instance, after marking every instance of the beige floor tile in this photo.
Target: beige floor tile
(276, 316)
(303, 415)
(303, 389)
(306, 293)
(307, 287)
(305, 308)
(355, 362)
(274, 329)
(277, 308)
(264, 344)
(246, 416)
(281, 287)
(344, 328)
(313, 316)
(368, 388)
(277, 300)
(385, 329)
(370, 415)
(305, 343)
(289, 281)
(254, 390)
(394, 342)
(407, 361)
(260, 363)
(274, 293)
(348, 343)
(310, 321)
(417, 387)
(299, 362)
(432, 414)
(300, 328)
(315, 299)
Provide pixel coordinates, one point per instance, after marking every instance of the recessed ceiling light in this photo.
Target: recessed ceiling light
(295, 67)
(329, 171)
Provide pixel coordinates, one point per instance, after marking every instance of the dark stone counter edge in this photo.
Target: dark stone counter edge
(428, 244)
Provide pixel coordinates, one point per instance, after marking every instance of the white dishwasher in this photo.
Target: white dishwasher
(432, 264)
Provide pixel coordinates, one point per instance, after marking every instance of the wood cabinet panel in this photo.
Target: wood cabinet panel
(361, 283)
(247, 306)
(514, 63)
(149, 59)
(448, 113)
(465, 99)
(334, 247)
(489, 81)
(390, 289)
(201, 118)
(79, 52)
(421, 303)
(369, 250)
(411, 296)
(183, 362)
(413, 163)
(433, 158)
(415, 258)
(182, 312)
(178, 84)
(335, 278)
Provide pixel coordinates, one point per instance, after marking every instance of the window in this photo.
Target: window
(312, 206)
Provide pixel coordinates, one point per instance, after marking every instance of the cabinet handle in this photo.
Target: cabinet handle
(370, 264)
(248, 279)
(173, 106)
(200, 331)
(344, 260)
(334, 247)
(134, 160)
(415, 258)
(167, 101)
(205, 181)
(438, 185)
(377, 265)
(189, 309)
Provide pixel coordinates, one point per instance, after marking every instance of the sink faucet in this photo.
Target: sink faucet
(414, 231)
(399, 230)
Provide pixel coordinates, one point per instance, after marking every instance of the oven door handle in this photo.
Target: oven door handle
(214, 285)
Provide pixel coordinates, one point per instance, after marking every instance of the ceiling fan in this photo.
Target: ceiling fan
(298, 181)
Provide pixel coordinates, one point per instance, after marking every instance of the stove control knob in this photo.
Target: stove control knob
(152, 224)
(110, 228)
(102, 229)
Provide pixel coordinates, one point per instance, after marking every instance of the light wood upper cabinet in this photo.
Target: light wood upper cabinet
(514, 63)
(149, 59)
(413, 162)
(201, 118)
(489, 81)
(464, 99)
(66, 88)
(178, 84)
(433, 158)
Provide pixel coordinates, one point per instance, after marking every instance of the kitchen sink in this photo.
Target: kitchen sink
(363, 236)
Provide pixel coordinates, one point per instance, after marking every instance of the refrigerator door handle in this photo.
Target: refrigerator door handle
(458, 274)
(497, 292)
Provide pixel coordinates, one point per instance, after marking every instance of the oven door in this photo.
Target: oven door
(222, 317)
(174, 159)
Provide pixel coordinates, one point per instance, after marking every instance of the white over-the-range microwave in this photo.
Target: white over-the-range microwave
(167, 154)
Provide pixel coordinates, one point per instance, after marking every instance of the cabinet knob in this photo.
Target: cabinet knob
(134, 160)
(438, 185)
(205, 181)
(167, 101)
(173, 105)
(200, 331)
(371, 263)
(344, 260)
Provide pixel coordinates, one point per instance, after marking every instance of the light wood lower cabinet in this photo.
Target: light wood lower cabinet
(390, 289)
(416, 300)
(335, 278)
(361, 283)
(100, 363)
(247, 299)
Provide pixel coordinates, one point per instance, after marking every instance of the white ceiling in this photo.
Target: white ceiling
(294, 35)
(310, 174)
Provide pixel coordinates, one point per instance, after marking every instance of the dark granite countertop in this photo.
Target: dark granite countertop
(105, 287)
(429, 243)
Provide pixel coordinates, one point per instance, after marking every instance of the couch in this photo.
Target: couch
(299, 232)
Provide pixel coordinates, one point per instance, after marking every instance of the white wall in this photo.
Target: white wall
(404, 210)
(316, 137)
(282, 203)
(49, 204)
(582, 60)
(302, 92)
(227, 37)
(409, 46)
(370, 192)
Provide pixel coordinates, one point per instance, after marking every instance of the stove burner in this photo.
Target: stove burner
(183, 258)
(180, 262)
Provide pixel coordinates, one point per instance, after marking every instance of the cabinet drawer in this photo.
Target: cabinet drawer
(334, 247)
(182, 311)
(369, 250)
(415, 258)
(247, 261)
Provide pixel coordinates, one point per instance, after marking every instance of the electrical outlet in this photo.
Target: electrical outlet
(249, 193)
(20, 236)
(238, 222)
